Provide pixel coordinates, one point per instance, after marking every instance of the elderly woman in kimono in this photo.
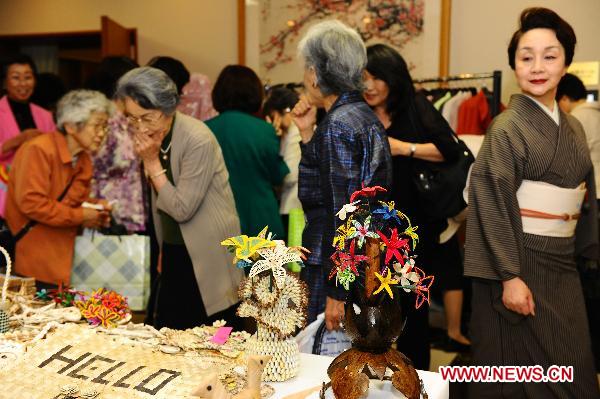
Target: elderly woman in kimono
(528, 219)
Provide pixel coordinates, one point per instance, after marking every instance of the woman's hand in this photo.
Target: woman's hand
(399, 147)
(334, 313)
(276, 122)
(305, 118)
(105, 204)
(147, 147)
(95, 219)
(516, 296)
(426, 151)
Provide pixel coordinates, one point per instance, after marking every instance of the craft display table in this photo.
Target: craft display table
(313, 372)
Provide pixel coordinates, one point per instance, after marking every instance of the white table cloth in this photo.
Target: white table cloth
(313, 372)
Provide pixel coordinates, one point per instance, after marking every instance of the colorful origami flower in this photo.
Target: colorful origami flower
(367, 192)
(387, 211)
(350, 260)
(385, 283)
(90, 311)
(362, 232)
(341, 235)
(408, 277)
(422, 290)
(393, 245)
(346, 209)
(245, 246)
(107, 318)
(111, 300)
(410, 230)
(345, 278)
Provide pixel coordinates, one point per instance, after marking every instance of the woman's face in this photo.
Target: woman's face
(376, 91)
(311, 89)
(91, 135)
(19, 82)
(540, 64)
(148, 121)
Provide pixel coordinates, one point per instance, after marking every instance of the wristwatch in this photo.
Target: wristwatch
(413, 148)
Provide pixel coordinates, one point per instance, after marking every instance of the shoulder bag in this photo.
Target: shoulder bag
(440, 185)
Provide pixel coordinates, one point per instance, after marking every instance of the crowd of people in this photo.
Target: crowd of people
(139, 150)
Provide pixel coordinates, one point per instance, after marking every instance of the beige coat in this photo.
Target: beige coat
(201, 201)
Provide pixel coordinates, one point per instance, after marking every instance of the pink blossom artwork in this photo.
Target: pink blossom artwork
(395, 22)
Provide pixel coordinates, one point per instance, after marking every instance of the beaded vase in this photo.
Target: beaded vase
(285, 360)
(278, 311)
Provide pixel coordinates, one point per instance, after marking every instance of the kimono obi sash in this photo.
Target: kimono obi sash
(549, 210)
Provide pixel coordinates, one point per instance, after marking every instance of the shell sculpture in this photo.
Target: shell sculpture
(275, 299)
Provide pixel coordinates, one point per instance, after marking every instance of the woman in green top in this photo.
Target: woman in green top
(250, 147)
(192, 203)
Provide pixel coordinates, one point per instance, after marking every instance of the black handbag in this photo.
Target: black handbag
(440, 185)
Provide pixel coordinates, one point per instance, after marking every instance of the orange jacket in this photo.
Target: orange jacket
(41, 170)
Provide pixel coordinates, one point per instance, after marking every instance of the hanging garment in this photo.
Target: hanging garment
(474, 115)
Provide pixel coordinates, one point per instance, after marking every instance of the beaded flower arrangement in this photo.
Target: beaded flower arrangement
(103, 308)
(276, 299)
(366, 218)
(64, 296)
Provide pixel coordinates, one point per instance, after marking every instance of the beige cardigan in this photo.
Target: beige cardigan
(201, 201)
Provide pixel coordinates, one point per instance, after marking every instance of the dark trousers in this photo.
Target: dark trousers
(179, 304)
(414, 340)
(314, 277)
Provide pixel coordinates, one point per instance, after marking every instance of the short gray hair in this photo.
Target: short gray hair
(150, 88)
(77, 107)
(338, 55)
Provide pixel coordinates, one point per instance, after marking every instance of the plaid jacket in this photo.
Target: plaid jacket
(349, 148)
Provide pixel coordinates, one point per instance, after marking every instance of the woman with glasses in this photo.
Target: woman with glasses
(192, 203)
(49, 181)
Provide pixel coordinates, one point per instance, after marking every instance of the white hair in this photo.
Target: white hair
(77, 107)
(150, 88)
(338, 55)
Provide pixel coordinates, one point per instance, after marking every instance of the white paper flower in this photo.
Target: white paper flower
(274, 259)
(346, 209)
(407, 277)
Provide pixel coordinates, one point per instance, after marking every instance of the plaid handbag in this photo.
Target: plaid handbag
(115, 262)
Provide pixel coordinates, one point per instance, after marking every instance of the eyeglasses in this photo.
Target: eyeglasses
(99, 128)
(146, 120)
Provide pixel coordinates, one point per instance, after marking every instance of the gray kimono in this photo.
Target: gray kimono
(522, 143)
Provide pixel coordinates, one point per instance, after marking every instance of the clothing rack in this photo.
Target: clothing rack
(497, 85)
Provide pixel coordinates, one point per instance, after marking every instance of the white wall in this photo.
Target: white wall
(201, 33)
(481, 30)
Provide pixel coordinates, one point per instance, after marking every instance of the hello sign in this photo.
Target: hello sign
(80, 356)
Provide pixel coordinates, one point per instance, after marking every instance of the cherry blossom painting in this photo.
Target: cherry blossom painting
(403, 24)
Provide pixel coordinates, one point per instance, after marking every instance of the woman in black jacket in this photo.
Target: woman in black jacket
(417, 133)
